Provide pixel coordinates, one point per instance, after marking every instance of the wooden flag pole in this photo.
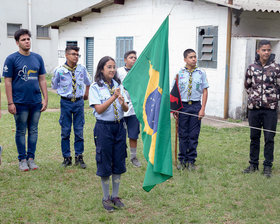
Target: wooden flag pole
(176, 138)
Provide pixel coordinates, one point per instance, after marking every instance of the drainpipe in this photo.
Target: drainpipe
(228, 51)
(29, 16)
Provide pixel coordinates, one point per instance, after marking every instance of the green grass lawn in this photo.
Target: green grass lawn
(217, 192)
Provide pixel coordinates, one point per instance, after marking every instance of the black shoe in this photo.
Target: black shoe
(191, 166)
(67, 161)
(117, 202)
(108, 205)
(251, 169)
(267, 171)
(181, 165)
(79, 160)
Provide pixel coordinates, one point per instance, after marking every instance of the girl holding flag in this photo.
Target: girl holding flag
(107, 98)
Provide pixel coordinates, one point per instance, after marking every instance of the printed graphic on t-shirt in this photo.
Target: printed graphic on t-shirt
(24, 74)
(5, 69)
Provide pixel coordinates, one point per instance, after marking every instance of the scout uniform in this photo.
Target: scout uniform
(70, 84)
(109, 131)
(191, 85)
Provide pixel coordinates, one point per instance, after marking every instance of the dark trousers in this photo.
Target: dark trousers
(110, 142)
(188, 130)
(266, 119)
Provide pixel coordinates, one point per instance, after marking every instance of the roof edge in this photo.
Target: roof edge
(77, 16)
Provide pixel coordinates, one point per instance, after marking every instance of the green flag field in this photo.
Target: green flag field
(217, 192)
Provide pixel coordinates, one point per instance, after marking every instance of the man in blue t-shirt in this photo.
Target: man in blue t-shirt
(24, 73)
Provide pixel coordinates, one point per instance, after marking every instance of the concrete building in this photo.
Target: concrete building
(110, 27)
(32, 14)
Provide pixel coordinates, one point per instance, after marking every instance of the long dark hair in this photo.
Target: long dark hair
(99, 75)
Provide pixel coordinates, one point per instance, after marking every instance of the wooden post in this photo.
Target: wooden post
(176, 138)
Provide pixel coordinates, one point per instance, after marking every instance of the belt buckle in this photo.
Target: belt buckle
(73, 99)
(190, 102)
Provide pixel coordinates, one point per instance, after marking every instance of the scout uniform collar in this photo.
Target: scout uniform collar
(69, 68)
(192, 70)
(126, 69)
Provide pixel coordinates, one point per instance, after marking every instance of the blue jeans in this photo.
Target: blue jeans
(72, 112)
(27, 117)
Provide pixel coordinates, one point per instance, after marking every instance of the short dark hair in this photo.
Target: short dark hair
(69, 48)
(263, 42)
(128, 53)
(20, 32)
(188, 51)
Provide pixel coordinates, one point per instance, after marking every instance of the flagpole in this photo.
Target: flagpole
(176, 130)
(176, 139)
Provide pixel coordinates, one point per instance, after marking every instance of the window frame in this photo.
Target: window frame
(41, 27)
(13, 24)
(127, 44)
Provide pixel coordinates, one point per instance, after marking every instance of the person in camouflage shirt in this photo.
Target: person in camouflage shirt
(262, 82)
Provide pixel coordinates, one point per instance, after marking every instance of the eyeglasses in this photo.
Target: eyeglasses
(74, 54)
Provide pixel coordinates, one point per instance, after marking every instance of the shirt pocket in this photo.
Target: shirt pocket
(197, 85)
(104, 95)
(65, 81)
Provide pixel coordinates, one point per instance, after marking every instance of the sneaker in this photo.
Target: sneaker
(31, 164)
(1, 149)
(23, 165)
(251, 169)
(79, 160)
(67, 161)
(108, 205)
(117, 202)
(267, 171)
(135, 162)
(181, 165)
(191, 166)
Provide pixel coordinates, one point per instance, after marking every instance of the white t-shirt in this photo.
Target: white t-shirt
(122, 74)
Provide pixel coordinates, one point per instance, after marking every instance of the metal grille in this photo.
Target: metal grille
(123, 44)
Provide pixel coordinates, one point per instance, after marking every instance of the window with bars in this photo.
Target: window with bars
(72, 43)
(207, 46)
(123, 44)
(42, 32)
(12, 28)
(89, 55)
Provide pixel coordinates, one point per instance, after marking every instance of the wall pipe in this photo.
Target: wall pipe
(228, 52)
(29, 15)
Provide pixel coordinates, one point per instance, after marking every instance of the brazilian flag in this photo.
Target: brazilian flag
(148, 86)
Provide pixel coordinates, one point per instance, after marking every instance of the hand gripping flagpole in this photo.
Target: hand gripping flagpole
(176, 121)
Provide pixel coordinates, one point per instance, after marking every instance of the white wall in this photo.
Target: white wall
(258, 24)
(141, 19)
(42, 12)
